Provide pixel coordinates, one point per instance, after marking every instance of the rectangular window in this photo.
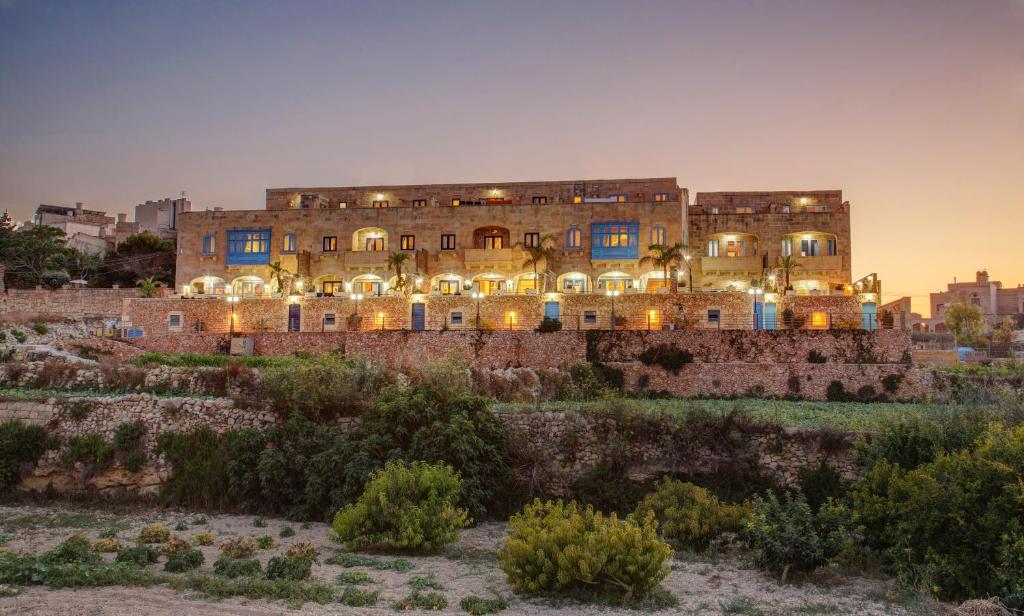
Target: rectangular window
(408, 242)
(819, 319)
(785, 209)
(818, 209)
(787, 247)
(830, 247)
(492, 242)
(419, 203)
(658, 236)
(343, 205)
(573, 285)
(374, 244)
(330, 243)
(531, 240)
(290, 244)
(714, 210)
(174, 320)
(809, 248)
(577, 199)
(448, 242)
(329, 319)
(590, 316)
(334, 287)
(448, 287)
(456, 318)
(714, 316)
(744, 210)
(614, 240)
(574, 238)
(456, 202)
(618, 198)
(380, 204)
(712, 248)
(661, 196)
(209, 245)
(248, 246)
(540, 200)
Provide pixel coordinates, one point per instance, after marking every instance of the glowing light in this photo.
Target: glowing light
(380, 196)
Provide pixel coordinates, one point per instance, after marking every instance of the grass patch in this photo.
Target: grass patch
(355, 578)
(355, 597)
(417, 600)
(84, 520)
(740, 605)
(207, 360)
(293, 592)
(350, 559)
(425, 582)
(477, 606)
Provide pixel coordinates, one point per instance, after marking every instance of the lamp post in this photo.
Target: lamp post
(477, 297)
(754, 292)
(232, 300)
(613, 294)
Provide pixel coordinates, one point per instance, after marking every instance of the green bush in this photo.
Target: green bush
(355, 577)
(289, 568)
(20, 444)
(913, 441)
(955, 524)
(788, 536)
(417, 600)
(200, 465)
(154, 533)
(286, 532)
(238, 547)
(409, 507)
(40, 328)
(75, 549)
(90, 449)
(478, 606)
(348, 559)
(821, 484)
(668, 356)
(236, 567)
(265, 542)
(19, 336)
(128, 435)
(184, 560)
(324, 387)
(607, 487)
(689, 517)
(355, 597)
(556, 547)
(139, 555)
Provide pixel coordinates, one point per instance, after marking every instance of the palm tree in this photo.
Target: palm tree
(396, 261)
(664, 257)
(148, 286)
(277, 272)
(787, 265)
(543, 253)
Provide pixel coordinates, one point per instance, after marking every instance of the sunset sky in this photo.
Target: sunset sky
(914, 109)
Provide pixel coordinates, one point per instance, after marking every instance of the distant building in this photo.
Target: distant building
(161, 217)
(995, 302)
(94, 231)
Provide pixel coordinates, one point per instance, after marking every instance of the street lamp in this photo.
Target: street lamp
(613, 294)
(477, 296)
(754, 292)
(232, 300)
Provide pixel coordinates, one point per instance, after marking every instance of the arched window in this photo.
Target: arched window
(573, 238)
(209, 244)
(658, 235)
(289, 244)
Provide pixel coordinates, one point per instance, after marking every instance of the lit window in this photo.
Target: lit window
(374, 244)
(330, 243)
(456, 318)
(577, 199)
(658, 235)
(618, 198)
(712, 248)
(540, 200)
(531, 240)
(590, 316)
(492, 242)
(209, 245)
(248, 246)
(714, 210)
(653, 319)
(787, 247)
(819, 319)
(456, 202)
(380, 204)
(744, 210)
(818, 209)
(661, 196)
(334, 287)
(573, 238)
(419, 203)
(511, 318)
(343, 204)
(448, 287)
(290, 244)
(448, 242)
(408, 242)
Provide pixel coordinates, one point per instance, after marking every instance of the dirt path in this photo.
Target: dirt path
(467, 568)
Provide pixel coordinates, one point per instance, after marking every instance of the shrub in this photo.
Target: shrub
(154, 533)
(40, 328)
(690, 517)
(289, 568)
(184, 560)
(107, 544)
(787, 536)
(815, 356)
(836, 392)
(236, 567)
(203, 539)
(956, 523)
(668, 356)
(409, 507)
(180, 527)
(348, 559)
(554, 547)
(173, 545)
(913, 441)
(259, 522)
(417, 600)
(355, 597)
(75, 549)
(138, 555)
(20, 444)
(821, 484)
(608, 488)
(200, 464)
(265, 542)
(238, 547)
(582, 384)
(548, 325)
(90, 450)
(354, 577)
(128, 435)
(19, 336)
(425, 582)
(325, 387)
(478, 606)
(286, 532)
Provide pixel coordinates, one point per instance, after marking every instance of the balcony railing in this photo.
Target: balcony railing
(366, 258)
(731, 264)
(820, 263)
(493, 257)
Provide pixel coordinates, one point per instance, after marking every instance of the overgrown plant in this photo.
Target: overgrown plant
(690, 517)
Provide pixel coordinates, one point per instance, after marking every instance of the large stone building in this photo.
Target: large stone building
(471, 238)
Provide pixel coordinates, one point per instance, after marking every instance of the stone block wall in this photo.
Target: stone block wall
(77, 304)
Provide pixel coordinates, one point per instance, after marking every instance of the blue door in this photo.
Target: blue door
(419, 317)
(770, 317)
(294, 320)
(869, 315)
(551, 310)
(758, 315)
